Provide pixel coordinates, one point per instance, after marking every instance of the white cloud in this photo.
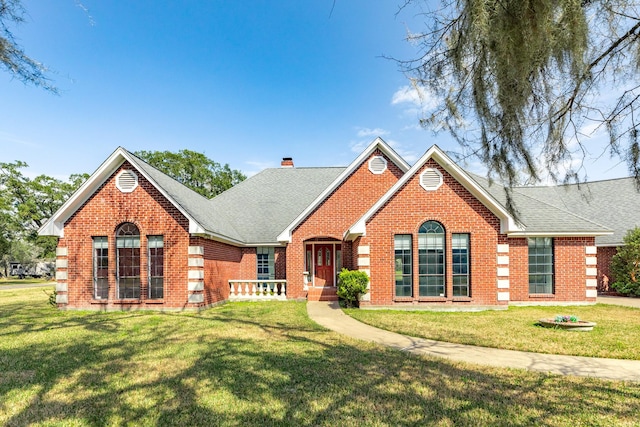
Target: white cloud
(359, 146)
(368, 132)
(416, 95)
(408, 155)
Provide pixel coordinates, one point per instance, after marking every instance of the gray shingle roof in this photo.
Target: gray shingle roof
(539, 211)
(254, 211)
(259, 208)
(614, 203)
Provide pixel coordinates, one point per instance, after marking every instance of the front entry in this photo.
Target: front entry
(324, 269)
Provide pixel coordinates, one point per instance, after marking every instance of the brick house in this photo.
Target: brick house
(430, 234)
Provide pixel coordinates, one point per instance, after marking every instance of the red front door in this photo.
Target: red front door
(324, 265)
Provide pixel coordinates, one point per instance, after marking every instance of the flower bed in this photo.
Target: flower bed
(569, 323)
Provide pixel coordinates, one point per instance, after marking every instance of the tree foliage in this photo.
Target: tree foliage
(25, 204)
(518, 82)
(195, 170)
(625, 265)
(12, 57)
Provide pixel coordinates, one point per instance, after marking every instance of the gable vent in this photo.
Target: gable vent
(431, 179)
(126, 181)
(377, 165)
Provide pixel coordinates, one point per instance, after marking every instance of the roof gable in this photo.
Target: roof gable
(259, 208)
(507, 222)
(181, 197)
(377, 144)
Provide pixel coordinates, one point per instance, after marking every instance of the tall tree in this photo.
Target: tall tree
(195, 170)
(519, 81)
(12, 57)
(26, 203)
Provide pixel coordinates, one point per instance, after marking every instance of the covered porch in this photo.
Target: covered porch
(323, 262)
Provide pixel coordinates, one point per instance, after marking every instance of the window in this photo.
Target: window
(541, 265)
(402, 244)
(128, 261)
(309, 257)
(155, 246)
(266, 263)
(460, 264)
(431, 259)
(100, 268)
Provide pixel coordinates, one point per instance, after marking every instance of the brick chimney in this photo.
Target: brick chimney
(287, 162)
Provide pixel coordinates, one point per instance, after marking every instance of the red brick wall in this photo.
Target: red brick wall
(570, 275)
(605, 256)
(221, 263)
(100, 216)
(249, 264)
(335, 215)
(459, 212)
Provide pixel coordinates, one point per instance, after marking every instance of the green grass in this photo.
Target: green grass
(26, 281)
(617, 334)
(261, 364)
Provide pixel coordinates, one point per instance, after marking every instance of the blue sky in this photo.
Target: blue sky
(246, 82)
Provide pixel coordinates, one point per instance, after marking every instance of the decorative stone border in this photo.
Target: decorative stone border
(579, 326)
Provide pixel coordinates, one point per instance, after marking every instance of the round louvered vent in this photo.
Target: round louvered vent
(377, 165)
(126, 181)
(431, 179)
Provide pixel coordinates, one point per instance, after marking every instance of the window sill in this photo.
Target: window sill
(432, 299)
(403, 299)
(127, 301)
(154, 301)
(461, 299)
(99, 301)
(542, 296)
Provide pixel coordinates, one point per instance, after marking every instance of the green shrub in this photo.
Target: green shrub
(625, 265)
(52, 298)
(352, 284)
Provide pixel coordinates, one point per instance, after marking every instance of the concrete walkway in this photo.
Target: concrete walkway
(625, 301)
(329, 315)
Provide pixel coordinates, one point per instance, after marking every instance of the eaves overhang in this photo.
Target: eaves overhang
(54, 226)
(378, 143)
(508, 223)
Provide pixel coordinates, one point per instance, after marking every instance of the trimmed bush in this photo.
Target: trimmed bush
(352, 284)
(625, 265)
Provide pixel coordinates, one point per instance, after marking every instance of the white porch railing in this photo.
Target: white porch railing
(257, 290)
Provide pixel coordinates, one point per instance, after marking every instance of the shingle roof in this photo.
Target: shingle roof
(260, 207)
(554, 210)
(614, 203)
(254, 211)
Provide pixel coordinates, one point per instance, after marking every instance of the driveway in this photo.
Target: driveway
(626, 301)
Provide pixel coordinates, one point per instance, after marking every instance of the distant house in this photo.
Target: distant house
(430, 234)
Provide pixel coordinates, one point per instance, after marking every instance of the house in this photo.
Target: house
(430, 234)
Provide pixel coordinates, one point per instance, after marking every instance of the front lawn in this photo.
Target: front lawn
(26, 281)
(261, 364)
(617, 334)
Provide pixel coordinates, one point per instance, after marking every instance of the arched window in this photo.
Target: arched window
(128, 261)
(431, 262)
